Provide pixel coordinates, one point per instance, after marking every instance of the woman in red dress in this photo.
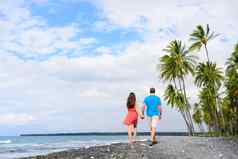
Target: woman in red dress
(132, 117)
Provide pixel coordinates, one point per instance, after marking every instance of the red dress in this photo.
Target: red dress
(132, 117)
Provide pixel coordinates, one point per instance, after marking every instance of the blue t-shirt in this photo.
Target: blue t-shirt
(152, 102)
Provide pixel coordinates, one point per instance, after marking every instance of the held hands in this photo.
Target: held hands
(142, 117)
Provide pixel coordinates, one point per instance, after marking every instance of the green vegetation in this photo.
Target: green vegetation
(175, 67)
(217, 104)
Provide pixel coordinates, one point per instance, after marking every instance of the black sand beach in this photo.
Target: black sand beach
(167, 148)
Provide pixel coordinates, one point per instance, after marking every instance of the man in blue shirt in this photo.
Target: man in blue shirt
(152, 104)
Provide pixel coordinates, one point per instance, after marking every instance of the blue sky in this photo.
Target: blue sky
(68, 65)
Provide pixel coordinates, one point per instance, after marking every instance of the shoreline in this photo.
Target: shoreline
(169, 147)
(113, 150)
(113, 134)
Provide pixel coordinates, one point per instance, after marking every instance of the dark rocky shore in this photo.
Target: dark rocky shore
(167, 148)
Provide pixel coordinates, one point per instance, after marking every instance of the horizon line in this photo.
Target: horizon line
(181, 133)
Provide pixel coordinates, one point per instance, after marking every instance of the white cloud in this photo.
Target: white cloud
(15, 119)
(86, 85)
(183, 15)
(29, 36)
(175, 19)
(40, 1)
(104, 50)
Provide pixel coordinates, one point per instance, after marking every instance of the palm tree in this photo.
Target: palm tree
(233, 60)
(174, 67)
(209, 77)
(232, 72)
(207, 104)
(200, 37)
(177, 64)
(232, 87)
(228, 115)
(198, 117)
(176, 99)
(183, 62)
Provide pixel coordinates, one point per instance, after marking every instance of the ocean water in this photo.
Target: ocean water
(23, 146)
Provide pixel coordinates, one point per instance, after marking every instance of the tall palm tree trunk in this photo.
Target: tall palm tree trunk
(175, 85)
(183, 112)
(231, 127)
(215, 111)
(236, 112)
(188, 106)
(187, 123)
(216, 119)
(208, 59)
(186, 111)
(221, 114)
(213, 114)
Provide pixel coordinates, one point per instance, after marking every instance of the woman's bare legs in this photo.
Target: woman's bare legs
(134, 133)
(130, 130)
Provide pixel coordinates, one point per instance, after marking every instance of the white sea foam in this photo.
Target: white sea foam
(31, 146)
(5, 141)
(143, 140)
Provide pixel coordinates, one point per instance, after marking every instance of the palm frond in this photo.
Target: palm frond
(207, 30)
(195, 46)
(212, 36)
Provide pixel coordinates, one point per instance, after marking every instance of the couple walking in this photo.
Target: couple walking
(152, 106)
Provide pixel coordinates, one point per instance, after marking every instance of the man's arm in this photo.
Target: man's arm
(143, 110)
(160, 108)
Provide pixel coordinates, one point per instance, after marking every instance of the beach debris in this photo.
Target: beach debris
(92, 157)
(220, 155)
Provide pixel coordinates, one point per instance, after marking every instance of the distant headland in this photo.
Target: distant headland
(112, 134)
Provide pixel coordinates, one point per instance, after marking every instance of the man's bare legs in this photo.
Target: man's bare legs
(153, 133)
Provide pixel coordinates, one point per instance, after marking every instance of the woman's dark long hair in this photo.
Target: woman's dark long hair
(131, 100)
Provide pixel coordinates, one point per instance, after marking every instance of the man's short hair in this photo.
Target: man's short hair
(152, 90)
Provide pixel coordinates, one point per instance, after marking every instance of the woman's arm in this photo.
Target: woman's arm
(138, 110)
